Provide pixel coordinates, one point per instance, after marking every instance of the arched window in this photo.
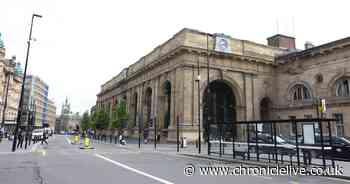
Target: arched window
(299, 92)
(342, 87)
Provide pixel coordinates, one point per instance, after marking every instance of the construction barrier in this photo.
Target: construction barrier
(87, 144)
(75, 139)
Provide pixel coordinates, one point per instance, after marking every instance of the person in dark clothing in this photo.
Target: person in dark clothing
(1, 134)
(30, 138)
(45, 136)
(21, 135)
(27, 139)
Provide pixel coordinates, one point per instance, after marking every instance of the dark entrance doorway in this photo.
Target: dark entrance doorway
(148, 106)
(165, 112)
(167, 93)
(134, 104)
(147, 110)
(220, 111)
(265, 106)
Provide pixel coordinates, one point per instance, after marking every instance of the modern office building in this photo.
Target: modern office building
(51, 114)
(36, 92)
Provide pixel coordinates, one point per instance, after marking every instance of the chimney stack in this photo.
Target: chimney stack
(281, 41)
(309, 45)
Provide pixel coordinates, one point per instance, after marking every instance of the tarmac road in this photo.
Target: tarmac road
(63, 163)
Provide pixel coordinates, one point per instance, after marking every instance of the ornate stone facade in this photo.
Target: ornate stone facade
(67, 120)
(11, 77)
(248, 81)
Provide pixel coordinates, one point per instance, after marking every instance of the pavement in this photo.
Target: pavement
(63, 163)
(6, 147)
(192, 151)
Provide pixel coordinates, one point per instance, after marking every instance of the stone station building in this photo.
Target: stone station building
(248, 81)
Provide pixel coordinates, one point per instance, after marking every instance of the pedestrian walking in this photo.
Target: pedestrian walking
(20, 136)
(1, 133)
(122, 140)
(145, 136)
(44, 139)
(9, 136)
(27, 139)
(30, 137)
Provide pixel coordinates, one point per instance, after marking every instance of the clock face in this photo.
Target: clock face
(223, 44)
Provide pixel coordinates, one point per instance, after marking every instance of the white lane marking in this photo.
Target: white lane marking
(339, 179)
(67, 139)
(134, 170)
(294, 182)
(265, 177)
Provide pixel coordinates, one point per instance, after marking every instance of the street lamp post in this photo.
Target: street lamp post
(199, 108)
(23, 83)
(208, 95)
(139, 127)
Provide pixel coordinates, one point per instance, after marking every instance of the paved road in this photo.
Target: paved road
(62, 163)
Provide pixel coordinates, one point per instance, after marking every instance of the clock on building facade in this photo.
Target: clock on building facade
(222, 43)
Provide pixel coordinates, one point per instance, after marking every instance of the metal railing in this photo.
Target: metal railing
(272, 140)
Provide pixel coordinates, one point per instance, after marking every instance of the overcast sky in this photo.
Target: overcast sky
(83, 43)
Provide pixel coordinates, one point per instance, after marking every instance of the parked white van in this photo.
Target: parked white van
(37, 134)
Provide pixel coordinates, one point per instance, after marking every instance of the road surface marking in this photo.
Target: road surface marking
(134, 170)
(339, 179)
(43, 152)
(293, 182)
(34, 147)
(265, 177)
(67, 139)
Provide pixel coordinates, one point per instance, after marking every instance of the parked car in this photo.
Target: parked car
(267, 142)
(49, 131)
(37, 134)
(340, 148)
(291, 140)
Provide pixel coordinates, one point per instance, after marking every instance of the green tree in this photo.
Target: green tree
(114, 122)
(100, 119)
(85, 121)
(119, 115)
